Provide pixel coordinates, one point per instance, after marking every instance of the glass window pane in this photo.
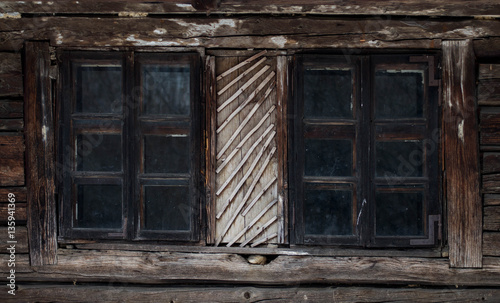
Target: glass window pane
(99, 206)
(399, 159)
(327, 93)
(99, 89)
(399, 94)
(325, 157)
(328, 212)
(166, 90)
(166, 154)
(167, 208)
(399, 214)
(99, 152)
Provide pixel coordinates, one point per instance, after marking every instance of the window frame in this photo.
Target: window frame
(364, 128)
(131, 176)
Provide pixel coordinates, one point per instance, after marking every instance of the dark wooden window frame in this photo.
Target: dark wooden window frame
(362, 129)
(133, 127)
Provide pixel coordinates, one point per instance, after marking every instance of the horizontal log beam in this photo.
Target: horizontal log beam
(491, 199)
(20, 215)
(21, 236)
(168, 268)
(247, 32)
(491, 244)
(117, 293)
(11, 108)
(489, 71)
(11, 160)
(492, 218)
(321, 7)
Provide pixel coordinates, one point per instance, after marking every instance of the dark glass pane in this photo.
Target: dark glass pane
(327, 93)
(98, 152)
(399, 94)
(328, 212)
(324, 157)
(399, 214)
(99, 206)
(167, 208)
(166, 154)
(99, 89)
(166, 90)
(399, 159)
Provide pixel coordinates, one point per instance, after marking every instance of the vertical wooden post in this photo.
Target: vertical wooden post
(282, 144)
(39, 136)
(210, 144)
(461, 155)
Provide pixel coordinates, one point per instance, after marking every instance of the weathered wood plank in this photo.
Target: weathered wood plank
(321, 7)
(264, 32)
(118, 293)
(491, 244)
(11, 84)
(492, 218)
(491, 183)
(491, 163)
(40, 155)
(488, 91)
(21, 236)
(20, 212)
(490, 125)
(487, 48)
(167, 268)
(461, 155)
(10, 63)
(11, 160)
(11, 124)
(11, 108)
(490, 200)
(489, 71)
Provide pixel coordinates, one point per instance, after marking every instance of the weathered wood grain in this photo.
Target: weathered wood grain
(11, 160)
(40, 172)
(490, 200)
(11, 108)
(491, 183)
(19, 193)
(489, 71)
(21, 236)
(487, 48)
(119, 293)
(210, 148)
(11, 124)
(261, 31)
(489, 119)
(491, 163)
(461, 155)
(11, 84)
(168, 268)
(491, 244)
(492, 218)
(20, 214)
(10, 63)
(320, 7)
(488, 91)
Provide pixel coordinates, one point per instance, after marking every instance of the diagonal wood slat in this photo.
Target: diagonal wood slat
(246, 151)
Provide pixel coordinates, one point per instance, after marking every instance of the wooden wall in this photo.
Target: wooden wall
(95, 272)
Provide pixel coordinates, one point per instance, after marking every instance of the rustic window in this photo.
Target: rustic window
(130, 145)
(366, 140)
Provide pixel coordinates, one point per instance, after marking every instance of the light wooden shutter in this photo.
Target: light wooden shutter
(248, 208)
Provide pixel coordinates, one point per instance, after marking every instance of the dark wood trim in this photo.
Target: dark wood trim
(40, 159)
(210, 145)
(462, 154)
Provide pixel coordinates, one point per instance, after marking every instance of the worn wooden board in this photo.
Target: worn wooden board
(488, 91)
(40, 157)
(249, 32)
(119, 293)
(491, 199)
(489, 120)
(246, 144)
(461, 155)
(11, 160)
(492, 218)
(20, 214)
(11, 108)
(489, 71)
(491, 244)
(11, 84)
(167, 268)
(491, 163)
(320, 7)
(491, 183)
(21, 236)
